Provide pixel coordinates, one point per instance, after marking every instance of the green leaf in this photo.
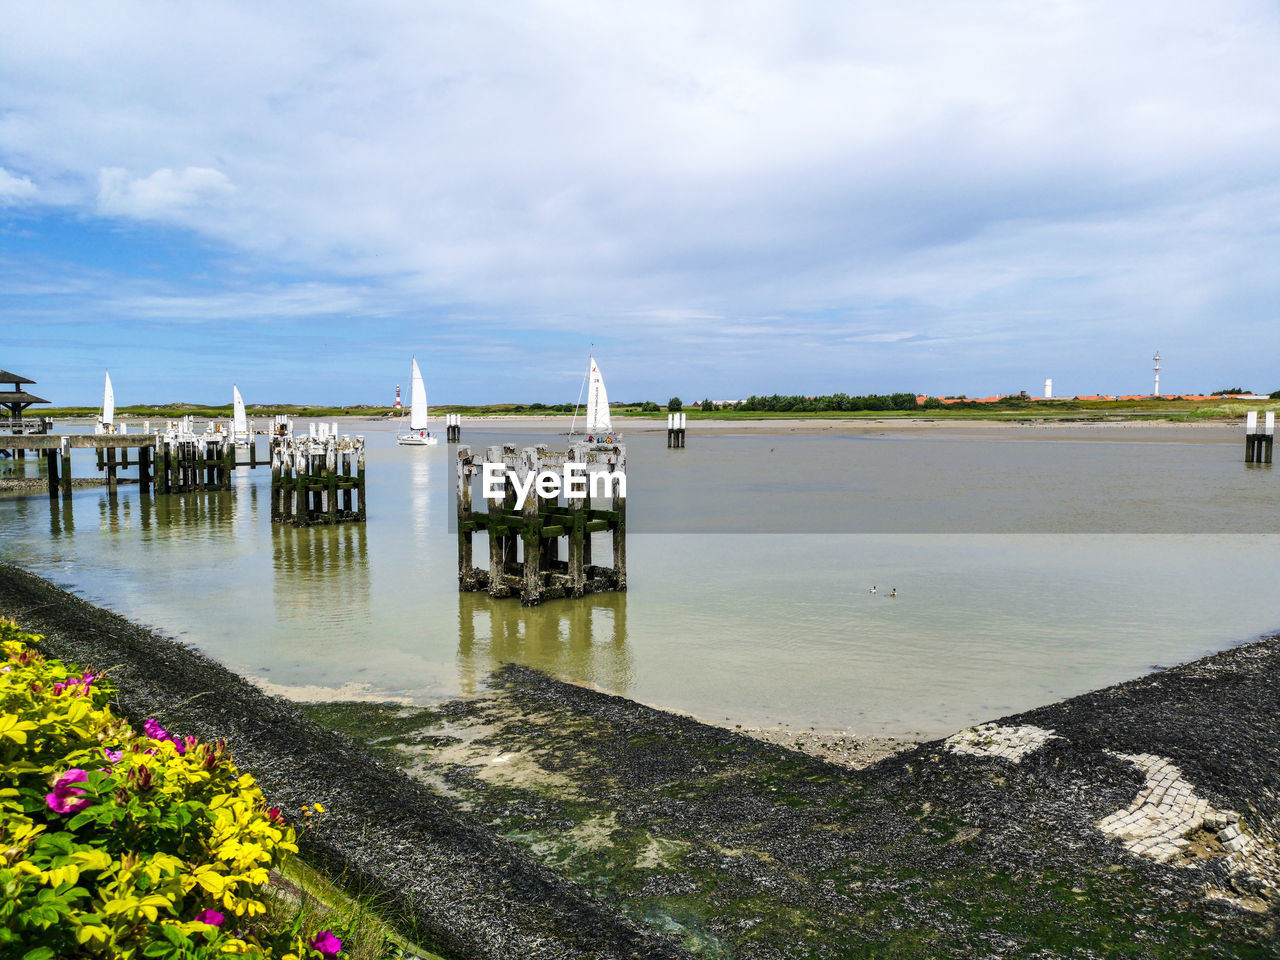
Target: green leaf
(39, 953)
(174, 936)
(157, 948)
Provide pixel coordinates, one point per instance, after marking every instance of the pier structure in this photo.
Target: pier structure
(452, 428)
(113, 453)
(524, 543)
(317, 477)
(675, 430)
(1259, 440)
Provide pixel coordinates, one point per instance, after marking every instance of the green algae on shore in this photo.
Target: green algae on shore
(744, 849)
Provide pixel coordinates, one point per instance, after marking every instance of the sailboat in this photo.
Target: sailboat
(418, 434)
(107, 422)
(599, 424)
(239, 419)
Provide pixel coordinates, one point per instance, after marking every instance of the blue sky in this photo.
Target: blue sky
(791, 197)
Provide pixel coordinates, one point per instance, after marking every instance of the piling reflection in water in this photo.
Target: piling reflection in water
(62, 520)
(114, 514)
(186, 515)
(583, 639)
(321, 575)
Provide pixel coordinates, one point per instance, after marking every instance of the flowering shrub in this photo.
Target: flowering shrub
(115, 844)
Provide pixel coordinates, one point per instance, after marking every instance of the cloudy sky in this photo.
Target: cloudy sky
(725, 198)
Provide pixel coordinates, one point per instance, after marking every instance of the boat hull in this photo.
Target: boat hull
(416, 440)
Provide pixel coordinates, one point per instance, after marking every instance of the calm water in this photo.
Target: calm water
(750, 628)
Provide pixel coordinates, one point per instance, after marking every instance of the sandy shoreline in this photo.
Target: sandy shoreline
(1125, 431)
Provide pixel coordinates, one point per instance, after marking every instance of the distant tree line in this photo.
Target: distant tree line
(780, 403)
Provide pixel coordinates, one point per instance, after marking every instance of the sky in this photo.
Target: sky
(726, 199)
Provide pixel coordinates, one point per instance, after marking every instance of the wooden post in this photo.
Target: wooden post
(331, 479)
(286, 487)
(111, 472)
(360, 514)
(144, 471)
(463, 496)
(51, 469)
(577, 531)
(66, 468)
(164, 468)
(620, 530)
(531, 592)
(276, 513)
(302, 513)
(497, 528)
(346, 479)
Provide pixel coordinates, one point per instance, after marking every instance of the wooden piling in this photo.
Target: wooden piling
(65, 457)
(144, 471)
(51, 468)
(531, 534)
(466, 527)
(620, 532)
(112, 482)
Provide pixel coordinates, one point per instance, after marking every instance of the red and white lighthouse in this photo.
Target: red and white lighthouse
(398, 404)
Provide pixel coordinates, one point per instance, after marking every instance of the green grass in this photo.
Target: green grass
(323, 903)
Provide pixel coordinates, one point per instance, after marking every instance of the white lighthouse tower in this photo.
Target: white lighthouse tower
(398, 404)
(1156, 358)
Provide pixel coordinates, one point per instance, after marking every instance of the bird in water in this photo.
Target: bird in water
(873, 590)
(893, 592)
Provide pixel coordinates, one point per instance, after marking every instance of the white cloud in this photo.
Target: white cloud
(1001, 171)
(14, 189)
(160, 195)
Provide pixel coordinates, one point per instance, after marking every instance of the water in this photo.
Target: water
(743, 628)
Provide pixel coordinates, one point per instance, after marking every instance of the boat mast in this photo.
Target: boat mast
(590, 355)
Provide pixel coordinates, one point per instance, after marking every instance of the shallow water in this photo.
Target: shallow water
(747, 628)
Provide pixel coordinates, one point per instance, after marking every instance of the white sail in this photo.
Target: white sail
(598, 420)
(417, 400)
(240, 420)
(108, 404)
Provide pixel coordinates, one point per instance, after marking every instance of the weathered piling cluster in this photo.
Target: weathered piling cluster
(1258, 442)
(452, 428)
(524, 541)
(318, 477)
(187, 461)
(675, 429)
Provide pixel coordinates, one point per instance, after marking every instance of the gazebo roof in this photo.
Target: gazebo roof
(7, 377)
(19, 396)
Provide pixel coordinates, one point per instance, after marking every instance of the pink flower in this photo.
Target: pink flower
(211, 917)
(115, 756)
(327, 943)
(154, 730)
(60, 801)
